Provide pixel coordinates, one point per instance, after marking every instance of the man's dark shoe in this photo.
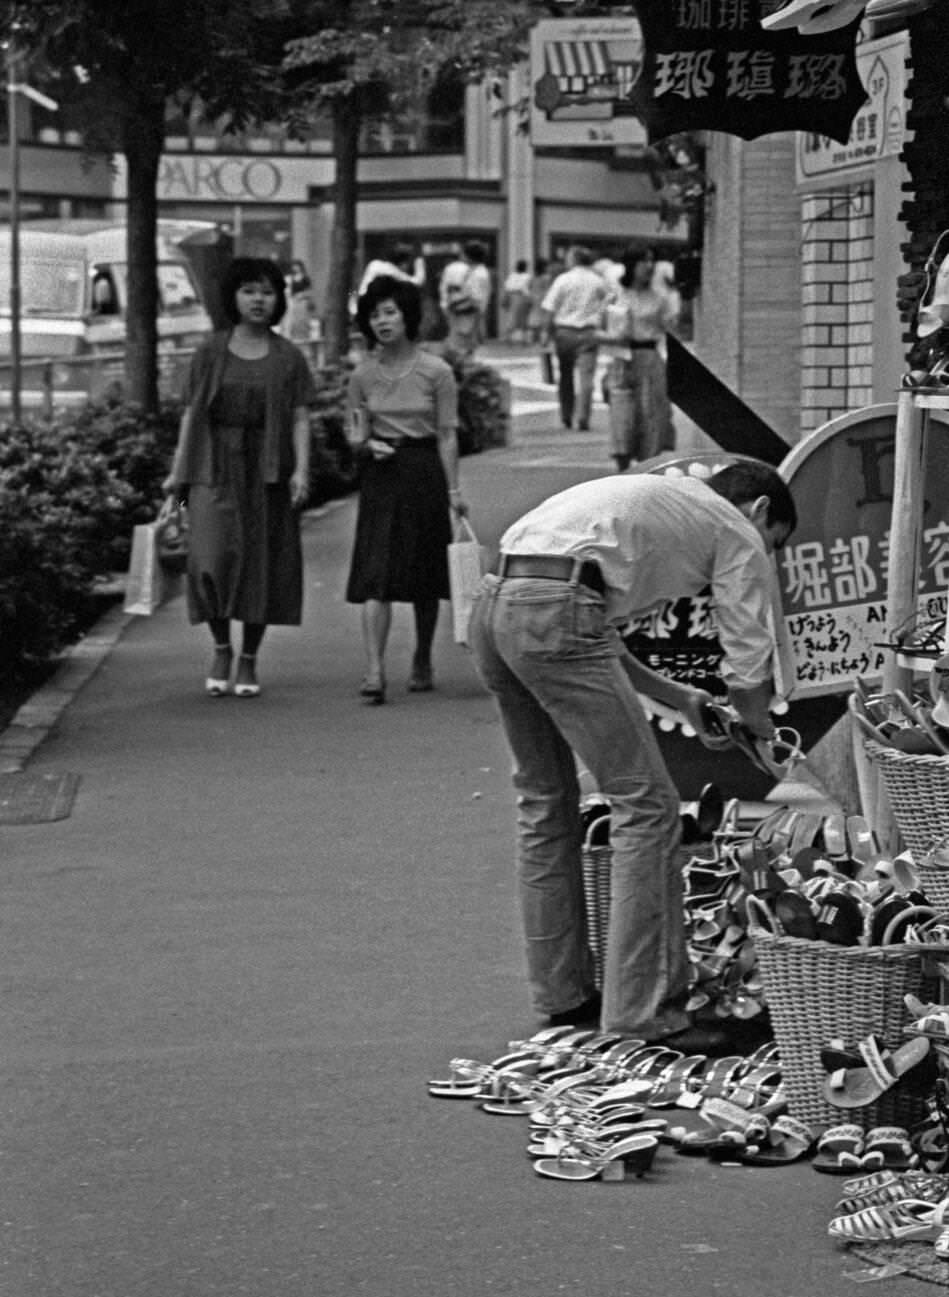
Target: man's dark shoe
(584, 1015)
(697, 1040)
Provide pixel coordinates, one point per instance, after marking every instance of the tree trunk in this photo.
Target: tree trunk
(143, 139)
(346, 122)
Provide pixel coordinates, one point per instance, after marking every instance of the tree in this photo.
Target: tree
(120, 64)
(369, 56)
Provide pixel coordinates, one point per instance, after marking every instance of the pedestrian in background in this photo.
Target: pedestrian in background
(517, 302)
(301, 304)
(541, 280)
(544, 634)
(635, 324)
(570, 317)
(464, 292)
(243, 459)
(403, 414)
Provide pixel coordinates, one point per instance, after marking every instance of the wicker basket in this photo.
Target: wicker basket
(817, 992)
(597, 860)
(918, 791)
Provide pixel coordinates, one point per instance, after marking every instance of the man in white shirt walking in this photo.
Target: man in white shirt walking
(544, 634)
(570, 316)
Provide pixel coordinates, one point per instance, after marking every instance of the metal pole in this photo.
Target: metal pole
(15, 349)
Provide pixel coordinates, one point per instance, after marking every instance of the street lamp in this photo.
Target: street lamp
(13, 89)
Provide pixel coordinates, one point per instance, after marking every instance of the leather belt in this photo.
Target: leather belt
(553, 567)
(641, 344)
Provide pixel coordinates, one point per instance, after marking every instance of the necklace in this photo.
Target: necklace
(392, 379)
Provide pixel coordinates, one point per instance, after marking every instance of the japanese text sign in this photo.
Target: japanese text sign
(833, 570)
(710, 65)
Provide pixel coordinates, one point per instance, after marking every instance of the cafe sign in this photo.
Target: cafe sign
(683, 65)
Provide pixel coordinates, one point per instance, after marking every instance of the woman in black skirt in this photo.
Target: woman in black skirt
(243, 458)
(403, 412)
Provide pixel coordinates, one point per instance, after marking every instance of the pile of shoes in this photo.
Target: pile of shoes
(917, 724)
(585, 1096)
(894, 1207)
(841, 889)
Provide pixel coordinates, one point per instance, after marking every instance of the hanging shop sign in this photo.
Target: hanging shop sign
(682, 65)
(584, 75)
(710, 65)
(833, 569)
(878, 128)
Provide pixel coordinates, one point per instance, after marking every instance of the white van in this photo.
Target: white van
(74, 288)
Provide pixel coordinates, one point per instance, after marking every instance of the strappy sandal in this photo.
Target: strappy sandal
(634, 1154)
(839, 1152)
(895, 1186)
(912, 1218)
(858, 1086)
(786, 1140)
(675, 1079)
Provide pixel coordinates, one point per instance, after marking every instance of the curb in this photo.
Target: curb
(40, 713)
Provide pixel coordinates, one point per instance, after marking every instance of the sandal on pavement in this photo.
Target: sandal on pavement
(912, 1218)
(892, 1143)
(855, 1087)
(899, 1185)
(671, 1083)
(633, 1154)
(839, 1150)
(553, 1143)
(786, 1140)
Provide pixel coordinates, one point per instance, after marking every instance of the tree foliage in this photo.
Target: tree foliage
(365, 55)
(119, 64)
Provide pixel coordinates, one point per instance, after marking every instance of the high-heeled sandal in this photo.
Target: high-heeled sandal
(215, 685)
(596, 1161)
(247, 688)
(373, 691)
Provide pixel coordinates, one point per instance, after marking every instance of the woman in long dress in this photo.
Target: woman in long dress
(243, 460)
(403, 412)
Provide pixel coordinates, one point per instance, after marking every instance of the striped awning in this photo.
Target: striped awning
(586, 59)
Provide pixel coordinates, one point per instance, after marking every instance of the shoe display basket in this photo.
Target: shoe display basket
(917, 788)
(817, 992)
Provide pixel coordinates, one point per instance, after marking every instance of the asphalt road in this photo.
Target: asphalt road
(228, 974)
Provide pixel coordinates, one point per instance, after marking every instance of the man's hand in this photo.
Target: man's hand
(696, 707)
(379, 449)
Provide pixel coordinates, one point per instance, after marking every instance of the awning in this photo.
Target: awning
(585, 59)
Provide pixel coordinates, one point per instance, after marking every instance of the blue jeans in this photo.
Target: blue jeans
(555, 668)
(576, 351)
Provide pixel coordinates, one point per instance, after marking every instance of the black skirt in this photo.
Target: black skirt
(403, 529)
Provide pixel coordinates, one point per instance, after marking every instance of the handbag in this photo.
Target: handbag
(465, 570)
(145, 583)
(172, 536)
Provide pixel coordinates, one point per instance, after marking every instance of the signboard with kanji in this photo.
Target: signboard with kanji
(681, 65)
(833, 569)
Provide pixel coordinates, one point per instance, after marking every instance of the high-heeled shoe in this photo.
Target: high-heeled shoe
(218, 682)
(246, 686)
(598, 1161)
(373, 691)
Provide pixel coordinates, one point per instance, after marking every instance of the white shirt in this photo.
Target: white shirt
(660, 538)
(472, 280)
(576, 298)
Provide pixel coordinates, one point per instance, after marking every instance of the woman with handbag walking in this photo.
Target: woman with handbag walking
(403, 412)
(243, 459)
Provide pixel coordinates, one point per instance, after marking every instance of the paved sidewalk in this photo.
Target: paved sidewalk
(228, 974)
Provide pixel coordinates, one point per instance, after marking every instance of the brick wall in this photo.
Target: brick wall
(837, 303)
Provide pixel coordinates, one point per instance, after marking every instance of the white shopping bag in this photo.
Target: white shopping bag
(466, 562)
(145, 583)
